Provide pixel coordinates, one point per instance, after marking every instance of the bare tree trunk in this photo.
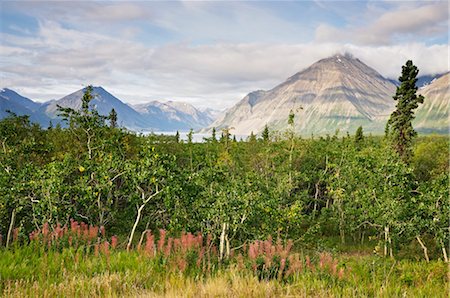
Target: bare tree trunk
(391, 253)
(386, 235)
(316, 195)
(222, 241)
(11, 226)
(425, 250)
(444, 252)
(136, 222)
(341, 222)
(227, 245)
(138, 216)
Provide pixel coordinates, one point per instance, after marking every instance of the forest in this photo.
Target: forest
(93, 209)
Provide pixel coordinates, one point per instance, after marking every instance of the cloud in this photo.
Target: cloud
(59, 58)
(429, 20)
(207, 75)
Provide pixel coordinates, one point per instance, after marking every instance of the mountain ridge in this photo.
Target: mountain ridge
(331, 90)
(128, 117)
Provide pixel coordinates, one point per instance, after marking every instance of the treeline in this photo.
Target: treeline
(356, 189)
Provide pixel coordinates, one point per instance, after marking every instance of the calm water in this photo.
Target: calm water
(196, 137)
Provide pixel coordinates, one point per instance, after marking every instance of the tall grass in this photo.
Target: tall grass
(81, 260)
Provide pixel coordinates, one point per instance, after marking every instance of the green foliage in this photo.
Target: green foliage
(113, 118)
(401, 119)
(325, 192)
(359, 136)
(265, 134)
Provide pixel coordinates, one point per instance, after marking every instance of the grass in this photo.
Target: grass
(80, 262)
(25, 272)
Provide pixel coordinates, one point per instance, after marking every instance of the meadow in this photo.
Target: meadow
(89, 209)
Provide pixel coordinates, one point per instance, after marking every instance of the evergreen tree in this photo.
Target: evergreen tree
(213, 137)
(252, 137)
(190, 134)
(400, 122)
(359, 136)
(113, 118)
(291, 118)
(177, 137)
(265, 134)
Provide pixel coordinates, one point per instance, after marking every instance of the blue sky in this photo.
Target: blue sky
(208, 53)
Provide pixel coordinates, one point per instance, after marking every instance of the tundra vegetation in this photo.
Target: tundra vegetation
(94, 210)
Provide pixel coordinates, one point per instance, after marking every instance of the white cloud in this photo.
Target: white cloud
(58, 60)
(405, 22)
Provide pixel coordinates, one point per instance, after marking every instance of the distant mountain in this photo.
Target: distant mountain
(103, 102)
(12, 101)
(153, 116)
(433, 114)
(423, 81)
(174, 115)
(338, 92)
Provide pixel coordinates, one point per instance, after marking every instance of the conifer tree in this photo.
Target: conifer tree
(265, 134)
(213, 137)
(400, 122)
(359, 136)
(113, 118)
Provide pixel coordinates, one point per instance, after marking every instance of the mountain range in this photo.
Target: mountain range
(336, 93)
(152, 116)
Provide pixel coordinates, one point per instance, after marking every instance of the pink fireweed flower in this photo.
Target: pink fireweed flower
(15, 234)
(150, 243)
(182, 264)
(105, 248)
(168, 248)
(162, 237)
(45, 230)
(96, 250)
(114, 242)
(341, 273)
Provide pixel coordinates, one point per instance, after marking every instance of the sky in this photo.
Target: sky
(208, 53)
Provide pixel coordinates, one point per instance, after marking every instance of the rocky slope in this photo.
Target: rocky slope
(433, 114)
(14, 102)
(175, 115)
(339, 92)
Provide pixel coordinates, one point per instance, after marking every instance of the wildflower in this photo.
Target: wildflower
(45, 230)
(341, 273)
(114, 242)
(162, 236)
(105, 248)
(15, 234)
(149, 244)
(182, 264)
(96, 250)
(168, 247)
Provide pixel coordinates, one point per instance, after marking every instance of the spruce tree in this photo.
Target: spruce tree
(400, 122)
(265, 134)
(113, 118)
(359, 136)
(213, 137)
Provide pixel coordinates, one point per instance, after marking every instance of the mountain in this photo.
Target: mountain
(339, 92)
(433, 115)
(103, 101)
(425, 80)
(14, 102)
(154, 116)
(173, 115)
